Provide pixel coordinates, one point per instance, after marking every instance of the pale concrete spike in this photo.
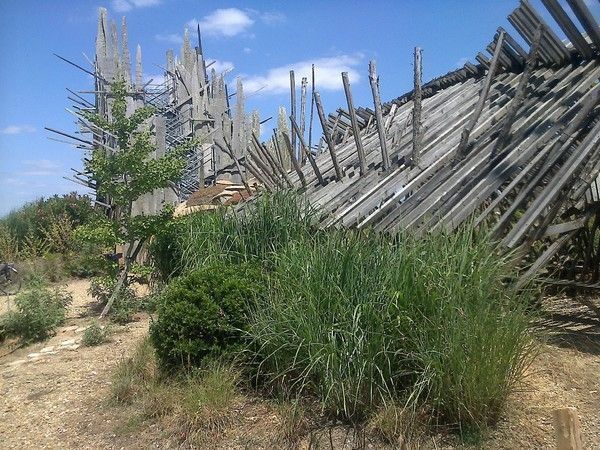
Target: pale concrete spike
(186, 51)
(114, 50)
(255, 123)
(239, 139)
(170, 61)
(138, 68)
(213, 82)
(197, 97)
(101, 33)
(125, 55)
(282, 128)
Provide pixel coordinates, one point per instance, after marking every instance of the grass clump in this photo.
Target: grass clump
(359, 320)
(205, 313)
(95, 334)
(40, 309)
(134, 373)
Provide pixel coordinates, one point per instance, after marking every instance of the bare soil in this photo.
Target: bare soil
(54, 394)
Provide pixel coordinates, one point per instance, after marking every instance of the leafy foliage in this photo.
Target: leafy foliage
(39, 310)
(95, 334)
(205, 313)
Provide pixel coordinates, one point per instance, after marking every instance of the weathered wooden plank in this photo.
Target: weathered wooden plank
(374, 81)
(327, 136)
(355, 129)
(587, 20)
(569, 28)
(308, 153)
(417, 131)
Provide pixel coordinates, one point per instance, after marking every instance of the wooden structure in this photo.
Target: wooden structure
(528, 165)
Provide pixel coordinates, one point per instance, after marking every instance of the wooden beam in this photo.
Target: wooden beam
(569, 28)
(308, 153)
(303, 85)
(464, 138)
(416, 115)
(587, 20)
(354, 121)
(519, 96)
(293, 104)
(327, 136)
(374, 80)
(295, 164)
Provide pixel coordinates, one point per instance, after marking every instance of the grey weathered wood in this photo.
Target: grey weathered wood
(374, 81)
(587, 20)
(303, 85)
(520, 93)
(568, 27)
(293, 104)
(464, 139)
(416, 118)
(355, 129)
(312, 106)
(229, 151)
(264, 168)
(308, 153)
(327, 136)
(295, 164)
(277, 169)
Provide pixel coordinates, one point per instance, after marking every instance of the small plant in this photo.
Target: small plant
(134, 373)
(205, 313)
(95, 334)
(39, 311)
(125, 303)
(395, 424)
(294, 422)
(208, 396)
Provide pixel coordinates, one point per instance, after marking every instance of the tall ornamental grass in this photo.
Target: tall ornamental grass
(358, 320)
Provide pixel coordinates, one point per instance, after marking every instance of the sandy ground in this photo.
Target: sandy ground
(54, 394)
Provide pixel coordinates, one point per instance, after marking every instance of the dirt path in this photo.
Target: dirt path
(54, 393)
(47, 388)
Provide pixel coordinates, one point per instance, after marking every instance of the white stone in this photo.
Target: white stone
(67, 342)
(34, 355)
(47, 350)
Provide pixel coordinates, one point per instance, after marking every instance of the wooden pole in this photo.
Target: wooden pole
(295, 163)
(276, 147)
(416, 116)
(466, 133)
(264, 168)
(293, 104)
(517, 100)
(257, 174)
(568, 429)
(312, 107)
(308, 154)
(277, 169)
(302, 156)
(229, 152)
(374, 80)
(354, 122)
(336, 166)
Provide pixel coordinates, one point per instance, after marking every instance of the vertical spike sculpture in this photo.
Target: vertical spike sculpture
(282, 128)
(114, 46)
(138, 68)
(101, 42)
(239, 137)
(125, 56)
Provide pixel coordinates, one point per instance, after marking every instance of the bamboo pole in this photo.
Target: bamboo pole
(354, 122)
(374, 80)
(336, 166)
(466, 133)
(416, 116)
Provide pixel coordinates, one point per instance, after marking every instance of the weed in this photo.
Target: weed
(95, 334)
(134, 373)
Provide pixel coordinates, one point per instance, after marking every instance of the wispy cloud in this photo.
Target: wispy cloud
(226, 22)
(39, 167)
(171, 38)
(128, 5)
(327, 74)
(18, 129)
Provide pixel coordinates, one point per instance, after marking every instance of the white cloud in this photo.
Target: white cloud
(128, 5)
(220, 66)
(18, 129)
(247, 50)
(327, 74)
(226, 22)
(39, 167)
(172, 38)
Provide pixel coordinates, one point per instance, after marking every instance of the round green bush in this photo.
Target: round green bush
(205, 313)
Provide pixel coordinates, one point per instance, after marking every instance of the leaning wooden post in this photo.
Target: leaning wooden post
(293, 104)
(295, 163)
(264, 168)
(416, 116)
(568, 429)
(336, 166)
(308, 154)
(517, 100)
(302, 157)
(374, 80)
(466, 133)
(312, 107)
(354, 122)
(277, 169)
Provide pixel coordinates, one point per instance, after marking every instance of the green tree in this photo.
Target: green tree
(123, 174)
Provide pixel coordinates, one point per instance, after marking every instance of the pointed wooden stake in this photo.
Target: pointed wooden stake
(328, 140)
(354, 122)
(374, 80)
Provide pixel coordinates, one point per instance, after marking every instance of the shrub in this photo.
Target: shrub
(95, 334)
(39, 310)
(359, 321)
(205, 313)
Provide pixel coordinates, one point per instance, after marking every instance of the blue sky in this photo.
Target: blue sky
(259, 40)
